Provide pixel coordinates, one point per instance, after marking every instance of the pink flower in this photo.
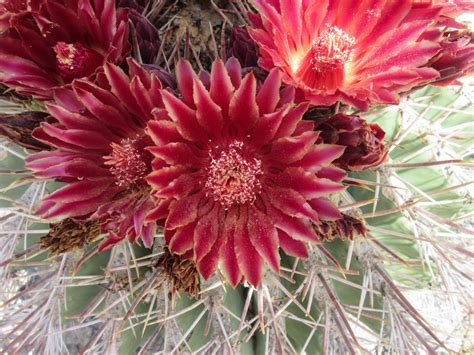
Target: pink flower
(361, 53)
(99, 140)
(50, 42)
(237, 174)
(363, 142)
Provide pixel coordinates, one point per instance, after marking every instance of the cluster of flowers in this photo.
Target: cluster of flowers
(232, 164)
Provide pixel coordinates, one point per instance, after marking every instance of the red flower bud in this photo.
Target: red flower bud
(137, 5)
(165, 77)
(243, 47)
(456, 58)
(363, 141)
(146, 36)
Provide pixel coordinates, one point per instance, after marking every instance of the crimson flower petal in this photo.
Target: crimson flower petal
(263, 237)
(290, 202)
(221, 87)
(292, 246)
(269, 94)
(249, 260)
(206, 234)
(228, 262)
(182, 240)
(292, 149)
(183, 211)
(185, 117)
(208, 113)
(244, 101)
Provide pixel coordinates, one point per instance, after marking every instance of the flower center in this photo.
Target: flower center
(128, 161)
(72, 59)
(233, 177)
(323, 66)
(331, 49)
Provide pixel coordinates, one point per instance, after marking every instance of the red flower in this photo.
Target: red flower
(363, 141)
(361, 53)
(237, 173)
(99, 139)
(53, 42)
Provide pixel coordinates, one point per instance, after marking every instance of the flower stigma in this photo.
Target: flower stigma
(233, 177)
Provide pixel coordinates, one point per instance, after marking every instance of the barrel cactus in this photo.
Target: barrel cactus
(248, 177)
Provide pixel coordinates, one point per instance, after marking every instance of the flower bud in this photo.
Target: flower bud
(456, 57)
(243, 47)
(137, 5)
(363, 141)
(146, 36)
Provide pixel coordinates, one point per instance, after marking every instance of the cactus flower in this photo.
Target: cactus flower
(237, 173)
(360, 53)
(49, 43)
(99, 142)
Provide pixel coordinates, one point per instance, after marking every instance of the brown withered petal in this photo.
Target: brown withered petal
(18, 128)
(345, 228)
(69, 235)
(180, 273)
